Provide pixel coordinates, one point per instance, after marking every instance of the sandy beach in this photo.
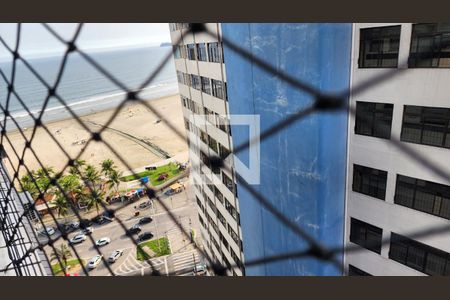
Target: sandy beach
(132, 134)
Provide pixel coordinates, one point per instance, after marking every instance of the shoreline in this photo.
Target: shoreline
(132, 123)
(81, 116)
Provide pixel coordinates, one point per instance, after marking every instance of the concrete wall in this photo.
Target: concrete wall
(303, 167)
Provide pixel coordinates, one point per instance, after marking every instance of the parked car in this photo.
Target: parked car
(145, 204)
(48, 231)
(87, 230)
(84, 223)
(74, 224)
(145, 236)
(79, 238)
(100, 220)
(133, 230)
(95, 261)
(145, 220)
(103, 241)
(115, 256)
(199, 270)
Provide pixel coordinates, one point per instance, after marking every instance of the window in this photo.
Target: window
(354, 271)
(212, 143)
(180, 77)
(233, 235)
(218, 89)
(368, 181)
(187, 79)
(224, 152)
(426, 196)
(221, 219)
(430, 46)
(365, 235)
(201, 52)
(215, 52)
(418, 256)
(191, 51)
(218, 195)
(426, 125)
(195, 80)
(206, 85)
(379, 47)
(374, 119)
(227, 181)
(176, 52)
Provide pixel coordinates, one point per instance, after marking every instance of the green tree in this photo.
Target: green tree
(78, 167)
(94, 198)
(108, 167)
(92, 176)
(61, 204)
(63, 254)
(114, 180)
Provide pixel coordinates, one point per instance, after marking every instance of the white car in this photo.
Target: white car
(79, 238)
(103, 241)
(115, 256)
(95, 261)
(48, 230)
(74, 224)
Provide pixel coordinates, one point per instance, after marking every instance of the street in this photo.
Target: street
(184, 211)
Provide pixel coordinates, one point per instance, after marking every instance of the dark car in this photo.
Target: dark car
(100, 220)
(133, 230)
(145, 220)
(145, 236)
(144, 205)
(84, 223)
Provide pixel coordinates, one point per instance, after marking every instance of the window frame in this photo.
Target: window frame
(362, 48)
(432, 35)
(365, 170)
(368, 229)
(373, 114)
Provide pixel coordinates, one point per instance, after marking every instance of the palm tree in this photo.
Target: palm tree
(70, 184)
(78, 167)
(61, 205)
(62, 254)
(29, 185)
(95, 198)
(108, 167)
(114, 180)
(92, 176)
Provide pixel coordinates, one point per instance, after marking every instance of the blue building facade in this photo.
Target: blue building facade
(303, 167)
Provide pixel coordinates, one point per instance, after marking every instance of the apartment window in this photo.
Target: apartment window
(354, 271)
(195, 82)
(426, 196)
(190, 51)
(212, 143)
(379, 47)
(221, 219)
(224, 152)
(227, 181)
(180, 77)
(201, 52)
(223, 124)
(176, 52)
(215, 52)
(418, 256)
(206, 85)
(218, 195)
(426, 125)
(223, 241)
(233, 235)
(369, 181)
(218, 89)
(365, 235)
(204, 137)
(187, 79)
(374, 119)
(430, 46)
(231, 210)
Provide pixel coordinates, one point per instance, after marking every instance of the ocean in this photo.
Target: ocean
(82, 87)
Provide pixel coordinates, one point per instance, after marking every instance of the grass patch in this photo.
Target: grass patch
(160, 250)
(72, 263)
(171, 169)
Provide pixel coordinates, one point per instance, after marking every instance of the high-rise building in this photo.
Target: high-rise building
(335, 174)
(302, 168)
(389, 194)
